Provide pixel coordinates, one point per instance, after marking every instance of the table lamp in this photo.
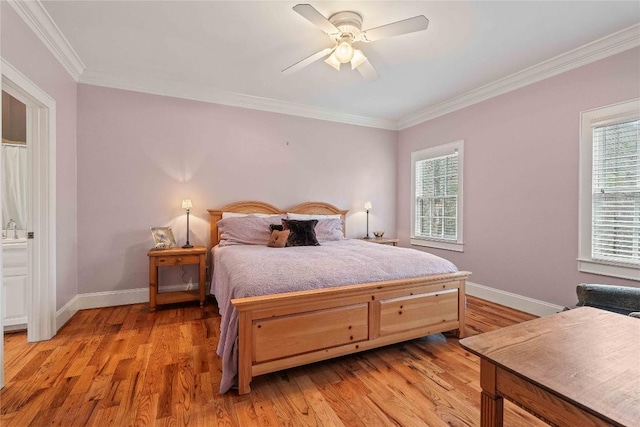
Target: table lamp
(186, 204)
(367, 207)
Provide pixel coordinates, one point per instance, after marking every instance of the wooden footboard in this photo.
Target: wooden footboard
(286, 330)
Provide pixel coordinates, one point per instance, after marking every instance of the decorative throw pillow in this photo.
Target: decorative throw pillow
(278, 227)
(278, 238)
(302, 233)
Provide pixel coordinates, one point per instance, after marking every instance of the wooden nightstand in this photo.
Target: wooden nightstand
(176, 256)
(382, 241)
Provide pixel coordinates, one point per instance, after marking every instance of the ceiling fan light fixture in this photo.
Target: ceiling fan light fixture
(345, 28)
(333, 61)
(358, 59)
(344, 51)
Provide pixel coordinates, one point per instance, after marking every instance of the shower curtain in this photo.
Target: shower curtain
(14, 185)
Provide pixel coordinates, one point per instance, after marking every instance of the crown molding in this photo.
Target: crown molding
(215, 96)
(618, 42)
(41, 23)
(38, 19)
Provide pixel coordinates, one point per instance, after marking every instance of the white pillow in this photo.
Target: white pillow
(329, 229)
(257, 215)
(306, 217)
(246, 230)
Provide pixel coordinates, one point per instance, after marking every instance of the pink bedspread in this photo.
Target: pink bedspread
(251, 270)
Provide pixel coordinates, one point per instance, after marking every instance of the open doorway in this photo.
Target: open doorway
(40, 217)
(14, 214)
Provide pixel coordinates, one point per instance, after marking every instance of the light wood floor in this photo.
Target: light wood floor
(123, 366)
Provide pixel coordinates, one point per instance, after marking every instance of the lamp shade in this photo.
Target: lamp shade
(367, 206)
(358, 59)
(186, 204)
(333, 61)
(344, 52)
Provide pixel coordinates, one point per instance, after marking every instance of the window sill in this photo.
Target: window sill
(609, 269)
(438, 244)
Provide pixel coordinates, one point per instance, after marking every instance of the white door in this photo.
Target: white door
(41, 250)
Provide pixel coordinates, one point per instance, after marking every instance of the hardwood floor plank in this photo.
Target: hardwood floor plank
(146, 409)
(368, 413)
(32, 365)
(325, 415)
(124, 366)
(281, 407)
(264, 408)
(296, 400)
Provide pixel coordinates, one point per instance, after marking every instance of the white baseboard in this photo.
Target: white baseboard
(15, 324)
(66, 312)
(141, 295)
(515, 301)
(112, 298)
(109, 299)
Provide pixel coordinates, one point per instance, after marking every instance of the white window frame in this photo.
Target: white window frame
(429, 153)
(609, 115)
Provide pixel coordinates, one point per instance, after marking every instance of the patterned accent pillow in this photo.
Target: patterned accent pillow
(302, 232)
(278, 227)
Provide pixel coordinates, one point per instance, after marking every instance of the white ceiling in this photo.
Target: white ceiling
(236, 49)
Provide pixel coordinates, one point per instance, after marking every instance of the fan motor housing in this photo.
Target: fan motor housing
(347, 23)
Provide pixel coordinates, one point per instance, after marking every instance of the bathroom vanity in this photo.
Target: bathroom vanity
(14, 283)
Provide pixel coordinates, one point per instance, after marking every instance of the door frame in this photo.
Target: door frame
(41, 251)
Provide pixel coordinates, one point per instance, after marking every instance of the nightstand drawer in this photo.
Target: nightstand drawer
(178, 260)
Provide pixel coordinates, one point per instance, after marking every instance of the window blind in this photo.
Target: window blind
(436, 187)
(616, 193)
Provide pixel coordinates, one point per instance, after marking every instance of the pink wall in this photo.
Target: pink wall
(521, 178)
(23, 50)
(139, 155)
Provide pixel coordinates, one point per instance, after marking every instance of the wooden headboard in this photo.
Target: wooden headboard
(248, 207)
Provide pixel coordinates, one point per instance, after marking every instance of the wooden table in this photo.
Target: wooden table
(576, 368)
(176, 256)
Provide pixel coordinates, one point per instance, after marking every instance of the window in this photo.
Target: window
(610, 191)
(436, 188)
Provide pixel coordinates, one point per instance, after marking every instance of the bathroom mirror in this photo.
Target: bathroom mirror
(14, 166)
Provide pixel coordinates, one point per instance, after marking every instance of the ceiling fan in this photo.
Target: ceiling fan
(345, 29)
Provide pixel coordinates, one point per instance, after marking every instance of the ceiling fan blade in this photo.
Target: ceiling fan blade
(417, 23)
(308, 60)
(367, 71)
(316, 18)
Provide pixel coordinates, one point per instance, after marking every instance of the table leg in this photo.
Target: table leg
(491, 410)
(153, 284)
(202, 276)
(491, 404)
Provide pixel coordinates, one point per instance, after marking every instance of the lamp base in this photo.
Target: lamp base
(366, 237)
(187, 246)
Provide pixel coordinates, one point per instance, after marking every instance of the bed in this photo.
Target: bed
(283, 330)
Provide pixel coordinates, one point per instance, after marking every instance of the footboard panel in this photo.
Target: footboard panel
(291, 335)
(281, 331)
(417, 311)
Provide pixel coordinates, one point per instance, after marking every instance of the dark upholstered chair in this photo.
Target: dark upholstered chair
(619, 299)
